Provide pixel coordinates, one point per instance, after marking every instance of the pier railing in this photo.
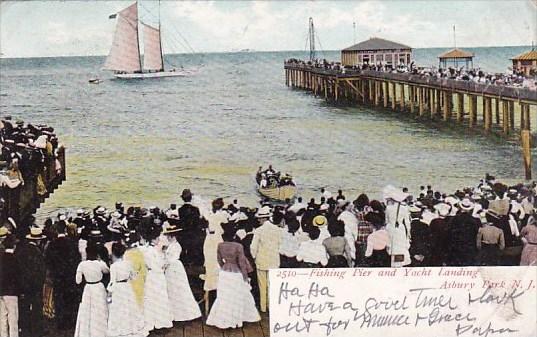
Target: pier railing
(504, 91)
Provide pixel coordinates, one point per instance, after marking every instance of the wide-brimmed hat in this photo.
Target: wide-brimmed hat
(95, 233)
(476, 196)
(419, 204)
(452, 200)
(264, 212)
(218, 203)
(414, 209)
(3, 232)
(169, 229)
(319, 221)
(466, 204)
(443, 209)
(238, 216)
(36, 233)
(396, 194)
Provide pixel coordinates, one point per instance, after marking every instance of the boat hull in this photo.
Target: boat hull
(279, 193)
(158, 74)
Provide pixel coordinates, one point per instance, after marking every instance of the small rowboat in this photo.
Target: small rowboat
(278, 193)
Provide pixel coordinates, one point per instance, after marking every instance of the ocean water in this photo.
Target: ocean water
(142, 142)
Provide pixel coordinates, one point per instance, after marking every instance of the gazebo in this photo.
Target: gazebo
(455, 57)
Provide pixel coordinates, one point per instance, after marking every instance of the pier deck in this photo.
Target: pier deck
(195, 328)
(495, 108)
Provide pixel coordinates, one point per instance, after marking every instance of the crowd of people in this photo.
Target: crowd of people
(23, 150)
(28, 155)
(515, 78)
(122, 272)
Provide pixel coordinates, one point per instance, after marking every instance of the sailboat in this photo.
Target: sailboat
(124, 57)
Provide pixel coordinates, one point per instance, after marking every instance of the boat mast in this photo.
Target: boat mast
(138, 37)
(160, 38)
(312, 39)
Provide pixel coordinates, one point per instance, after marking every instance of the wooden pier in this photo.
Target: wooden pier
(495, 109)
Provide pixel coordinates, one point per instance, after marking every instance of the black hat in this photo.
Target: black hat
(186, 194)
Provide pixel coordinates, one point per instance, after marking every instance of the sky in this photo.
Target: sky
(70, 28)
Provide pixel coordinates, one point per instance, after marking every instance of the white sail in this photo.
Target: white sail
(152, 49)
(125, 52)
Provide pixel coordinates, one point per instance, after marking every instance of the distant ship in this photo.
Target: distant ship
(124, 57)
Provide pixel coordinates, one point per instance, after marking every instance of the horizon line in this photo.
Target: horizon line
(245, 52)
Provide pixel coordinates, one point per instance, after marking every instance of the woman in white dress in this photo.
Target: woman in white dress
(157, 314)
(214, 236)
(234, 302)
(398, 227)
(182, 302)
(92, 315)
(124, 316)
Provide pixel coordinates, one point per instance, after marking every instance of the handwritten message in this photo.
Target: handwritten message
(415, 302)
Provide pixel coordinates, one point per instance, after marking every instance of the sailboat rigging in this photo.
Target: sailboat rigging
(125, 58)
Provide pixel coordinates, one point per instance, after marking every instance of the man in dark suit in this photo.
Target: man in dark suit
(462, 246)
(439, 230)
(192, 235)
(62, 259)
(420, 246)
(29, 256)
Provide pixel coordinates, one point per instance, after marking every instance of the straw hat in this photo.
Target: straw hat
(453, 201)
(443, 209)
(170, 229)
(95, 233)
(3, 232)
(466, 204)
(263, 212)
(319, 221)
(414, 209)
(238, 216)
(36, 233)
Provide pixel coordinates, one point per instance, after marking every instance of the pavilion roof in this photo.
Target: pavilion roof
(376, 43)
(527, 56)
(456, 54)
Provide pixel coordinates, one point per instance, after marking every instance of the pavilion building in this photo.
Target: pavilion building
(376, 50)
